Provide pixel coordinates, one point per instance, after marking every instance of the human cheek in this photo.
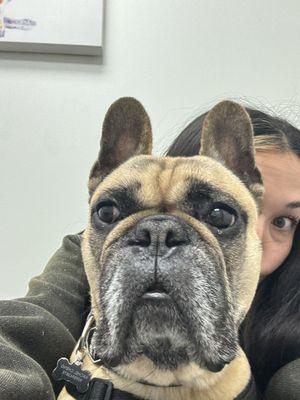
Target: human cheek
(273, 255)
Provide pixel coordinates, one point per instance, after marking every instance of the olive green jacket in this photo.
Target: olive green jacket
(35, 331)
(43, 326)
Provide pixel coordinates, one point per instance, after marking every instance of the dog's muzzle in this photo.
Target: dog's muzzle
(164, 294)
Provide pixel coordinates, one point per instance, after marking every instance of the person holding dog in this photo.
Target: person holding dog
(38, 329)
(271, 332)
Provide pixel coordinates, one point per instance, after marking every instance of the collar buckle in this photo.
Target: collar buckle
(102, 389)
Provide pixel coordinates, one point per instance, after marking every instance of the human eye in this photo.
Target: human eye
(285, 224)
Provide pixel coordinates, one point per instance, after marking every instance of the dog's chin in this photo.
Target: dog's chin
(156, 331)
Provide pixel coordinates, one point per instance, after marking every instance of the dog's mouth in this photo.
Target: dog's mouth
(166, 330)
(156, 292)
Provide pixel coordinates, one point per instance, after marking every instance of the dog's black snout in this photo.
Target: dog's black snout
(142, 238)
(161, 233)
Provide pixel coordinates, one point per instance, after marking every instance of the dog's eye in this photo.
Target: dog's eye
(108, 213)
(221, 218)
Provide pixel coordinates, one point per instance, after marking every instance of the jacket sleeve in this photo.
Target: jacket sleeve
(285, 384)
(43, 326)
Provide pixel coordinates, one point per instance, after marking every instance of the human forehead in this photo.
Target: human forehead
(280, 172)
(159, 179)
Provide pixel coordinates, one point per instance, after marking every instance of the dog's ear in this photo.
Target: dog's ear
(126, 132)
(227, 136)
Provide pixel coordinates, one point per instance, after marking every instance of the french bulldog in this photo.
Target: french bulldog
(172, 258)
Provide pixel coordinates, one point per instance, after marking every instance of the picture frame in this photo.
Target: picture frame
(52, 26)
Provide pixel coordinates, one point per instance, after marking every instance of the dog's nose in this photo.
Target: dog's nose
(160, 232)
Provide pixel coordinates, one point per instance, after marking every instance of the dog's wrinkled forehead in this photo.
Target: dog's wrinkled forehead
(226, 159)
(146, 182)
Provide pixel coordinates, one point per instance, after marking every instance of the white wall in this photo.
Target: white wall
(177, 56)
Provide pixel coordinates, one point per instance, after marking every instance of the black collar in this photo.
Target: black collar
(100, 389)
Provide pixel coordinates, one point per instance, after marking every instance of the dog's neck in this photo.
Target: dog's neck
(224, 385)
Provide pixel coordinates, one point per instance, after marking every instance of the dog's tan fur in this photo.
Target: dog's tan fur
(166, 185)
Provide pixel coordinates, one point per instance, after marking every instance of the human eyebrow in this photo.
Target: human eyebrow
(293, 204)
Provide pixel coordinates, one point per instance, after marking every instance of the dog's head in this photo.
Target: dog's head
(171, 251)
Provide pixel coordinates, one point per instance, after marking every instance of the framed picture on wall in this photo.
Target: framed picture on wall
(51, 26)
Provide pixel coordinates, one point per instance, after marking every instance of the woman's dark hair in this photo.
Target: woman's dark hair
(270, 333)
